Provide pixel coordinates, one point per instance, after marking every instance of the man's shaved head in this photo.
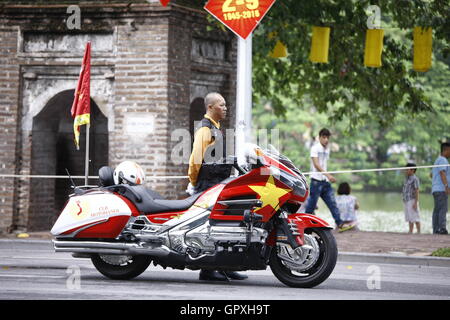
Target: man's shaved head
(215, 106)
(211, 98)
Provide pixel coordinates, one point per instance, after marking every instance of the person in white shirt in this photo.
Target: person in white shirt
(320, 185)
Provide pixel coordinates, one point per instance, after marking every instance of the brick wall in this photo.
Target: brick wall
(9, 95)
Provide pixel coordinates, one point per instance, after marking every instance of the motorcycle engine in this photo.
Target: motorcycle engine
(202, 238)
(196, 236)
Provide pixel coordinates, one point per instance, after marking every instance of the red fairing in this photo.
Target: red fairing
(303, 221)
(241, 188)
(306, 221)
(108, 229)
(134, 210)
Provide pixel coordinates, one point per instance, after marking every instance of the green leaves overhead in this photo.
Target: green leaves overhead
(345, 88)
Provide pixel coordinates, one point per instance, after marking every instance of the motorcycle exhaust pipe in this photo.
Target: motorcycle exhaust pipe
(119, 248)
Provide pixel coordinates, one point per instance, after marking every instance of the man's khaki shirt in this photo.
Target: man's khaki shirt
(202, 140)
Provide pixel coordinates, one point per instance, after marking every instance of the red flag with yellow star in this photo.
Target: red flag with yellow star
(81, 108)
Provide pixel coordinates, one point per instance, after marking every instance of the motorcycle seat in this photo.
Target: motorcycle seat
(148, 201)
(160, 205)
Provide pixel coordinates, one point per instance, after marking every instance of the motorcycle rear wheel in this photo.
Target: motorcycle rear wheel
(120, 267)
(316, 273)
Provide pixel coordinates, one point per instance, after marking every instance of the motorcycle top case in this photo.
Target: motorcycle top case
(96, 215)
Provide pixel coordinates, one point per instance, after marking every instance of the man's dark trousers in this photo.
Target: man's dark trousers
(324, 190)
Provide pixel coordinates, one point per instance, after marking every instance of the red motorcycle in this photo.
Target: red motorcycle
(246, 222)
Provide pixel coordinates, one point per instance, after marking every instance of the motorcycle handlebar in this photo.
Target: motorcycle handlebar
(232, 160)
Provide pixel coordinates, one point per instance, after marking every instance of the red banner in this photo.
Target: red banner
(81, 107)
(240, 16)
(164, 2)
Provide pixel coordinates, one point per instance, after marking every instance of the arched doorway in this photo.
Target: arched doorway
(53, 151)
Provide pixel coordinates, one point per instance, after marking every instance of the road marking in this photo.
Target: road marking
(29, 276)
(36, 258)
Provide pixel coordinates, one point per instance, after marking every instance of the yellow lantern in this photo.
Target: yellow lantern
(374, 48)
(423, 38)
(320, 44)
(280, 50)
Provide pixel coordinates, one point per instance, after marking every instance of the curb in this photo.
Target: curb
(393, 259)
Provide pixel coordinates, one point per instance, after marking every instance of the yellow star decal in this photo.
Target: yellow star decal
(269, 194)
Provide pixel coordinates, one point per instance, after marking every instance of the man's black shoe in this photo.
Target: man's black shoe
(212, 275)
(442, 231)
(235, 275)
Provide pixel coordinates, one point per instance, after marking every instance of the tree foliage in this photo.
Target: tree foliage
(370, 145)
(344, 88)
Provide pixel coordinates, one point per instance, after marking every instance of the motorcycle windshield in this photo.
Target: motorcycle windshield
(293, 173)
(275, 154)
(292, 177)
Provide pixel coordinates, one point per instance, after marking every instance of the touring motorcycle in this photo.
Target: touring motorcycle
(247, 222)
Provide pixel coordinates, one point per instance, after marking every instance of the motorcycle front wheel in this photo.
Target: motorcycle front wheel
(309, 265)
(120, 267)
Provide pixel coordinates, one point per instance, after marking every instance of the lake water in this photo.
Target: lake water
(384, 212)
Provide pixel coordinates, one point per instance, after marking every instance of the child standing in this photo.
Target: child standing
(410, 195)
(347, 204)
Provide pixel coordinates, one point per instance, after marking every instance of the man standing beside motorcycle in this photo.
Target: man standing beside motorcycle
(207, 140)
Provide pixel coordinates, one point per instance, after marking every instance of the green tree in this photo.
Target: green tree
(344, 87)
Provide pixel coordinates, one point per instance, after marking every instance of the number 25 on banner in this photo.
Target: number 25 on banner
(250, 4)
(231, 13)
(240, 16)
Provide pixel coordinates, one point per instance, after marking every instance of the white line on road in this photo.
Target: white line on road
(29, 276)
(36, 258)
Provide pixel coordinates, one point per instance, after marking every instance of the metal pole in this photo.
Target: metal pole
(243, 96)
(86, 162)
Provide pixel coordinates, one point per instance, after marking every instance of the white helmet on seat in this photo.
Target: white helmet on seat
(129, 172)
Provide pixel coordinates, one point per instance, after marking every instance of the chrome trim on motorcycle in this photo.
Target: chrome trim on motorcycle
(238, 234)
(253, 202)
(120, 248)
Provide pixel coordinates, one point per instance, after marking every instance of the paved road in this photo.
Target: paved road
(31, 270)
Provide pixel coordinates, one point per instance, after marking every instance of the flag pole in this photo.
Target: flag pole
(243, 96)
(86, 161)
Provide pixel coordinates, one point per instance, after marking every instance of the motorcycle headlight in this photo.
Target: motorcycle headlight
(297, 185)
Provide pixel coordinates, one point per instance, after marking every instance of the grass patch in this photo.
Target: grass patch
(441, 252)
